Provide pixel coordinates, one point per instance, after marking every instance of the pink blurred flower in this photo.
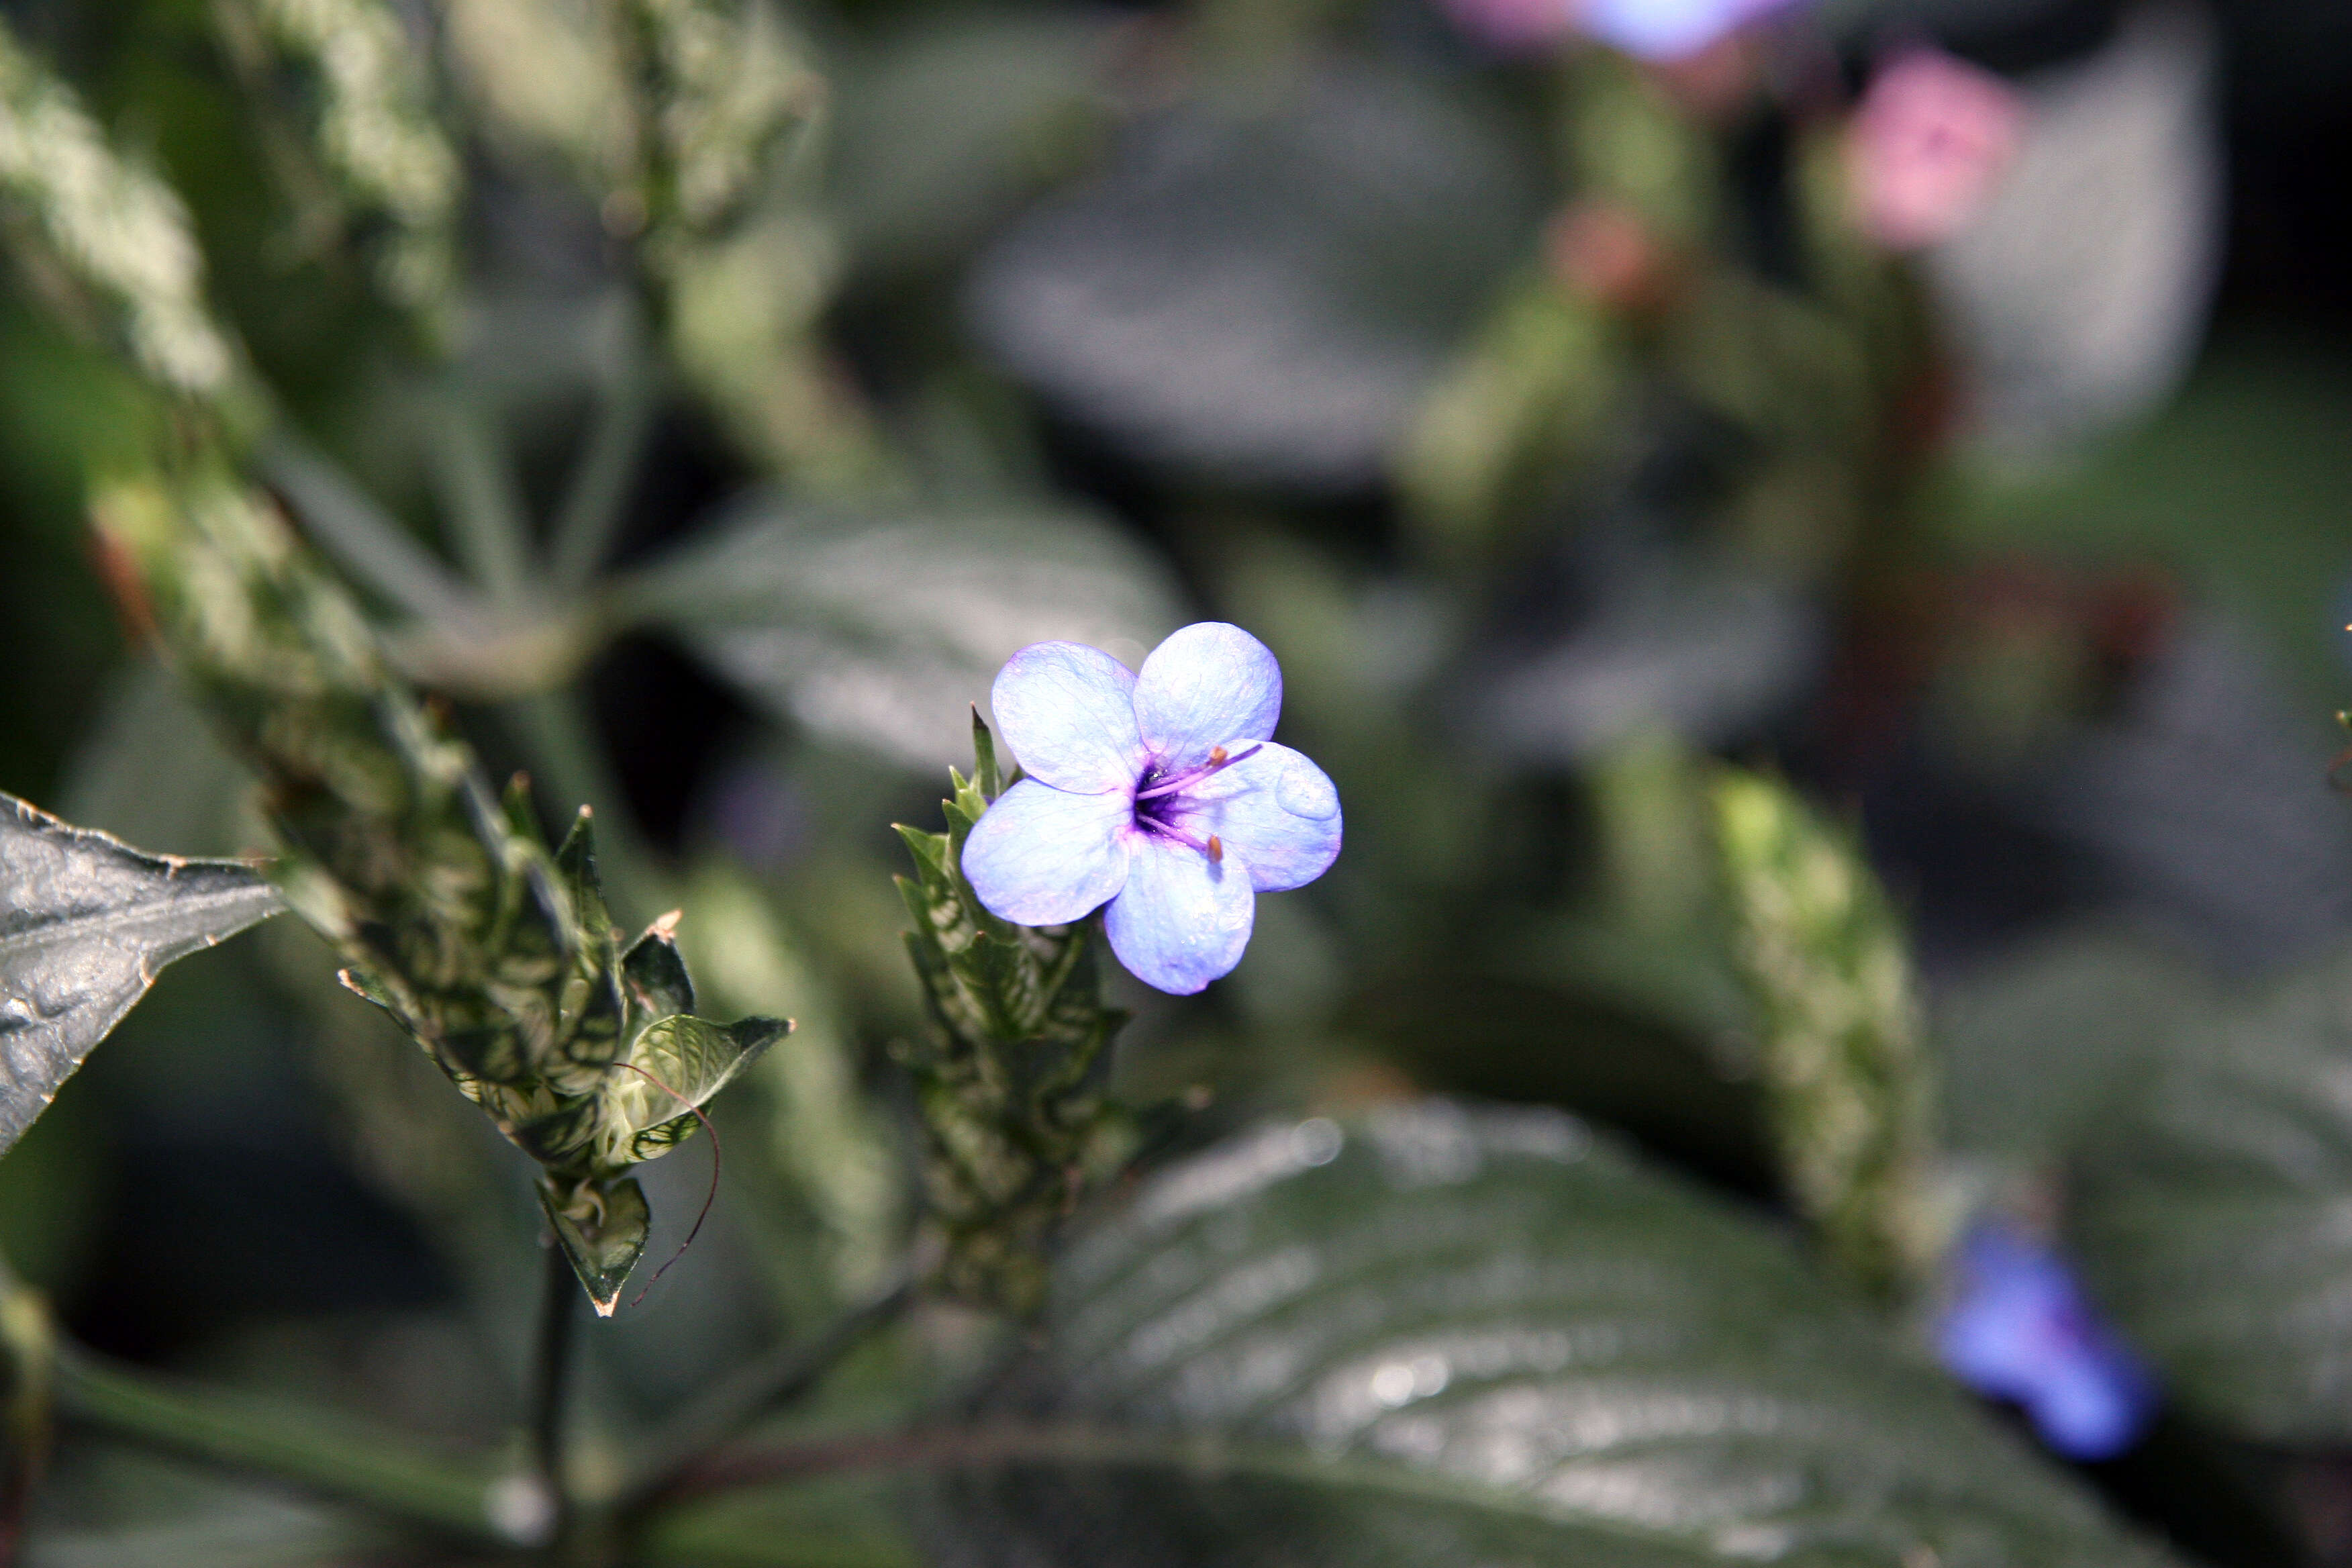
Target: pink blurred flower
(1932, 138)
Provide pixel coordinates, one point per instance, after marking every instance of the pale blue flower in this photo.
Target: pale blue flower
(1157, 793)
(1667, 31)
(2021, 1328)
(1657, 30)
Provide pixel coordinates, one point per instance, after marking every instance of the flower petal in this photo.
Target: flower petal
(1044, 856)
(1068, 712)
(1277, 811)
(1210, 684)
(1182, 920)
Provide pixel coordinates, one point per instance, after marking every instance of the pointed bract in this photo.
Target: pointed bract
(602, 1226)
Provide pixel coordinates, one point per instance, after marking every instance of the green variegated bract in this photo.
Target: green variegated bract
(1008, 1083)
(1844, 1055)
(451, 913)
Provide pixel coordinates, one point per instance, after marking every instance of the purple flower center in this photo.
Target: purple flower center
(1157, 797)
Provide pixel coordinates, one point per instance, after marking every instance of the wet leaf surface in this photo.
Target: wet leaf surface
(1448, 1335)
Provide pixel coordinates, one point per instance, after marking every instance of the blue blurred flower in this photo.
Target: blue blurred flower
(1157, 793)
(1671, 29)
(1661, 30)
(2021, 1328)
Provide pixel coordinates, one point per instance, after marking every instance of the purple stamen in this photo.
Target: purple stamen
(1211, 847)
(1218, 762)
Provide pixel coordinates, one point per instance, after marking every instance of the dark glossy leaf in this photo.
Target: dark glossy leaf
(2213, 1225)
(1265, 281)
(2048, 1043)
(86, 921)
(880, 627)
(1447, 1335)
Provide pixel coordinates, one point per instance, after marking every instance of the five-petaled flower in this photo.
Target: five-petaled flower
(1157, 793)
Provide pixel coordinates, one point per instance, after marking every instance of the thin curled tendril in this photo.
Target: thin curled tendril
(708, 1198)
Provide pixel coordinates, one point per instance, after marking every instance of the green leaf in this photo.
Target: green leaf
(108, 230)
(2050, 1042)
(27, 1372)
(144, 728)
(600, 1224)
(957, 120)
(878, 628)
(1444, 1334)
(844, 1197)
(375, 133)
(86, 921)
(2212, 1220)
(831, 1521)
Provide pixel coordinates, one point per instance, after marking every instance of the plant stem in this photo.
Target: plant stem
(777, 1378)
(550, 1373)
(482, 503)
(28, 1350)
(599, 490)
(347, 524)
(326, 1456)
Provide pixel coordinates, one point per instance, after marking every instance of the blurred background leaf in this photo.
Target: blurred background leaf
(2209, 1216)
(880, 628)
